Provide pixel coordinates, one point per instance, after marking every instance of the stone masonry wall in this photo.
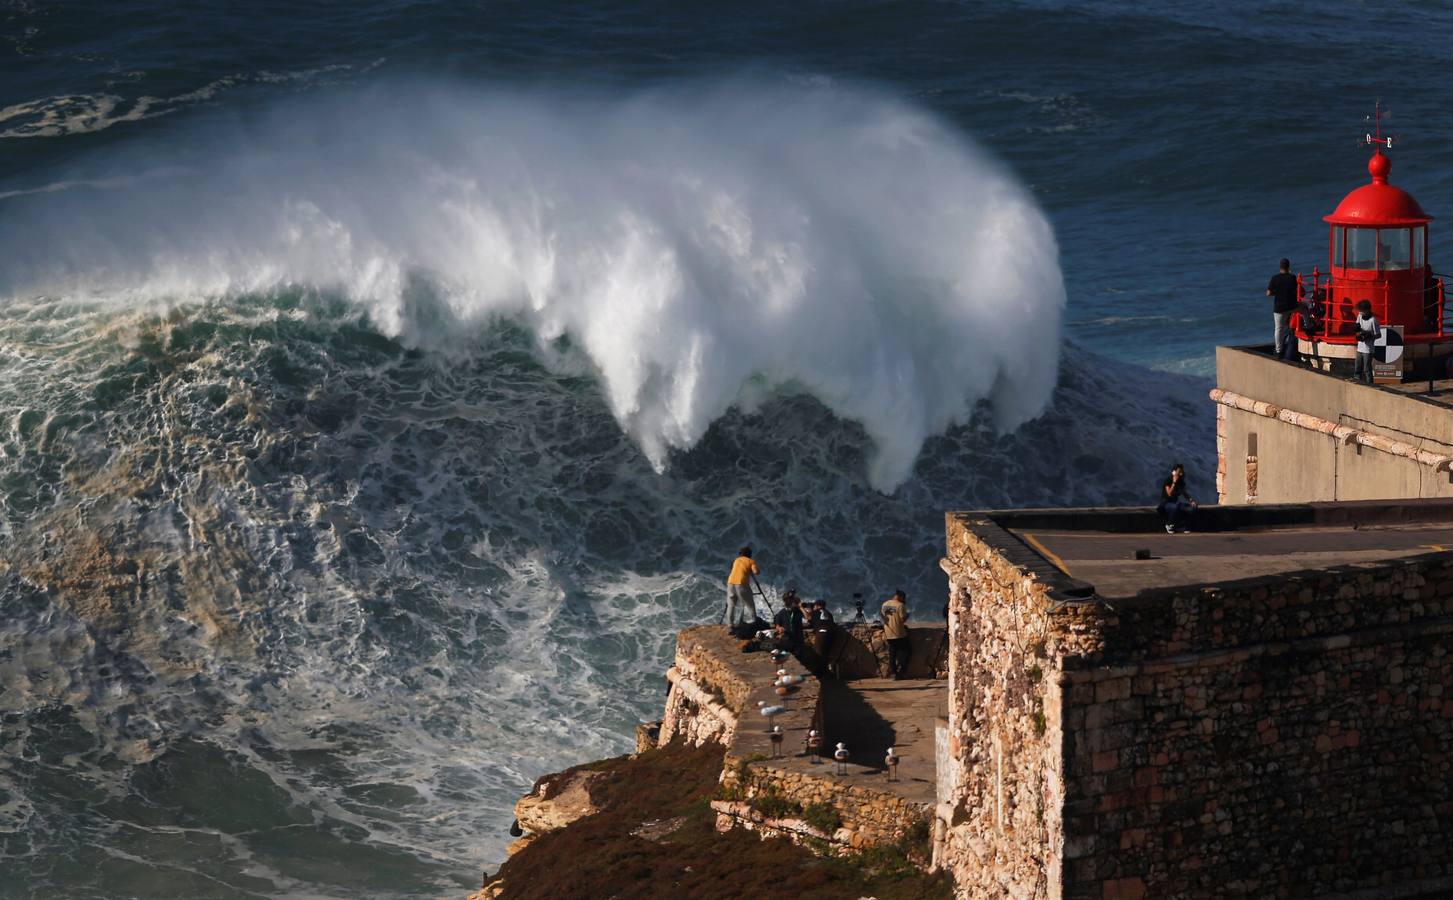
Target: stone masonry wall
(708, 693)
(1002, 834)
(863, 652)
(1288, 738)
(869, 817)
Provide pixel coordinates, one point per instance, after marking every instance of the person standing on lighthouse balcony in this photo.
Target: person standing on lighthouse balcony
(1285, 300)
(1367, 330)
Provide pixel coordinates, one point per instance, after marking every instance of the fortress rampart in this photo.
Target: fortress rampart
(1257, 728)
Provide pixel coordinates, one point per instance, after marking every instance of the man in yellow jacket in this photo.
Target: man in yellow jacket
(895, 631)
(739, 588)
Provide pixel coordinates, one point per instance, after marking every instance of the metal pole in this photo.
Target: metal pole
(763, 595)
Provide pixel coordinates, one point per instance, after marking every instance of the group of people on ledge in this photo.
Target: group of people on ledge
(806, 628)
(1286, 300)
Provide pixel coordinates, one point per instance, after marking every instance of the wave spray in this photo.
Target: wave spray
(697, 247)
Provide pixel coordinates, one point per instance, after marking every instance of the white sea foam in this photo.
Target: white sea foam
(397, 588)
(702, 246)
(66, 114)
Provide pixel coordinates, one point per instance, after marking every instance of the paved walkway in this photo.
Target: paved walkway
(870, 715)
(1106, 559)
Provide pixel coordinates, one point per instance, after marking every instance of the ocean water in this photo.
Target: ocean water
(382, 385)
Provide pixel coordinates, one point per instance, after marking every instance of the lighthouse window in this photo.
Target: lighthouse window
(1337, 235)
(1419, 236)
(1394, 250)
(1362, 248)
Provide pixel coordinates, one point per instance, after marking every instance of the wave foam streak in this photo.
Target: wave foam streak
(701, 246)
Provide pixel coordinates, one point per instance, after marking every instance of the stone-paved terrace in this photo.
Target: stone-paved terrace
(868, 715)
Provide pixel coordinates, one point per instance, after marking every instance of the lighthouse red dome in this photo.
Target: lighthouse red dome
(1378, 203)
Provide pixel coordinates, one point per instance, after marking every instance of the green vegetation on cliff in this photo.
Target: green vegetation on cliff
(655, 837)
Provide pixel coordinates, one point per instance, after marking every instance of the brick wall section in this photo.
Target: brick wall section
(1276, 737)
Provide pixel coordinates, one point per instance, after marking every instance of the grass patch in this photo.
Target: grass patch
(822, 816)
(773, 805)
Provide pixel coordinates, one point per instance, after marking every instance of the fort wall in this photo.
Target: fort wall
(1286, 736)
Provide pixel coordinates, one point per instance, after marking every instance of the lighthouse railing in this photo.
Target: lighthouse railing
(1440, 282)
(1332, 317)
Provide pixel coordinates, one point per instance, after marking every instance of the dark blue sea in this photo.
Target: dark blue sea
(383, 384)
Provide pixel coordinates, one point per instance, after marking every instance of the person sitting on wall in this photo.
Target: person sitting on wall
(819, 634)
(788, 624)
(1367, 331)
(895, 631)
(1176, 503)
(1286, 299)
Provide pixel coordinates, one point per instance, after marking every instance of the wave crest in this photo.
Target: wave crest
(702, 246)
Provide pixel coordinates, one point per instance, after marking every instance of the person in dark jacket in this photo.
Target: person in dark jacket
(1176, 503)
(789, 623)
(1286, 299)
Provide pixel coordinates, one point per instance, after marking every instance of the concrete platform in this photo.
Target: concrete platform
(1106, 559)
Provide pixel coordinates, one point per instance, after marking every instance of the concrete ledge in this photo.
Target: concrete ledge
(1136, 519)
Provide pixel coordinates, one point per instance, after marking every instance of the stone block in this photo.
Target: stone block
(1124, 889)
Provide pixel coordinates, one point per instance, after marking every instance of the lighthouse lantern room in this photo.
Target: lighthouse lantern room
(1378, 251)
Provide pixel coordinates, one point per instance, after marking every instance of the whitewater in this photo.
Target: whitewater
(697, 246)
(363, 451)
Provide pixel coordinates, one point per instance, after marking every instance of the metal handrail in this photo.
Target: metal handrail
(1323, 333)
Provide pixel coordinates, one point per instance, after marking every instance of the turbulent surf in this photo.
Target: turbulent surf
(362, 455)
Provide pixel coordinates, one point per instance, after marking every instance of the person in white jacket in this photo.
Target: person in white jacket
(1367, 332)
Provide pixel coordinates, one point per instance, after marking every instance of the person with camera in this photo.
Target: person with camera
(895, 632)
(1176, 503)
(789, 623)
(739, 589)
(819, 635)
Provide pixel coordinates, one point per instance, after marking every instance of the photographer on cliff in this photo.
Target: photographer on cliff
(739, 589)
(895, 632)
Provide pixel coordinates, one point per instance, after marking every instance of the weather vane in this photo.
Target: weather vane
(1376, 136)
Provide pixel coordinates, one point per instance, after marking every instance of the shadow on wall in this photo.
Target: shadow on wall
(860, 651)
(849, 718)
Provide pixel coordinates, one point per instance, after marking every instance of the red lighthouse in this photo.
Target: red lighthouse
(1378, 251)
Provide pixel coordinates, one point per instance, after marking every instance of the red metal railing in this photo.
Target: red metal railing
(1332, 318)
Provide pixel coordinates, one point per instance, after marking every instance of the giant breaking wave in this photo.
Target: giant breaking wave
(697, 248)
(320, 537)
